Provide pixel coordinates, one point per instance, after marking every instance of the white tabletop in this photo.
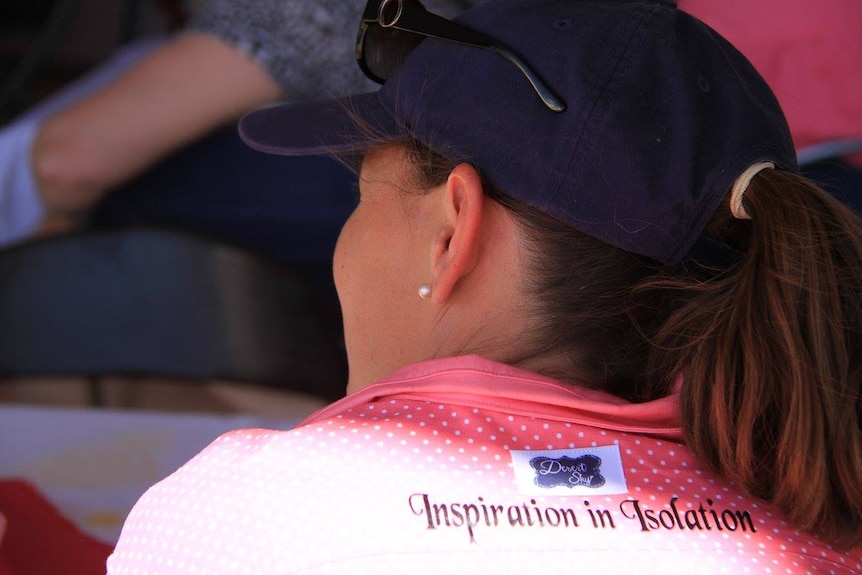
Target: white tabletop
(93, 464)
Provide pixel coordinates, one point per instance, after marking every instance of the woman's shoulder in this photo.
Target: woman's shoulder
(437, 481)
(450, 480)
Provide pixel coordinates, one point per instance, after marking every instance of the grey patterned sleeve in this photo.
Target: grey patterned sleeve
(307, 46)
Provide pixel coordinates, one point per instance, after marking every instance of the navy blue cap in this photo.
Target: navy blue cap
(662, 115)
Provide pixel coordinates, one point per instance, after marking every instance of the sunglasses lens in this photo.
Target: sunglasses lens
(385, 49)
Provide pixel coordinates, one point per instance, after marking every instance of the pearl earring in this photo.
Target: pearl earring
(424, 291)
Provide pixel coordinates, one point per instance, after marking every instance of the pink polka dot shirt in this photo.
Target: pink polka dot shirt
(463, 465)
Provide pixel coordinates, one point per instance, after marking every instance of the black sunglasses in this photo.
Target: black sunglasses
(391, 29)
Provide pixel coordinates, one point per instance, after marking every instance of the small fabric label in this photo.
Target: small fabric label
(586, 471)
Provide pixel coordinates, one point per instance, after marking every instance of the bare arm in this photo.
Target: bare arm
(186, 88)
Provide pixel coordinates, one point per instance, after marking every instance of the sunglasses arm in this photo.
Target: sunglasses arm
(416, 19)
(542, 90)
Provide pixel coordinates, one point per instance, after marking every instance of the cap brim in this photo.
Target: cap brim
(323, 127)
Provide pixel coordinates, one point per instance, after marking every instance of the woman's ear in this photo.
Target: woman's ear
(456, 248)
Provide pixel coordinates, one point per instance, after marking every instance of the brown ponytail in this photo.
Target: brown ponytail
(771, 351)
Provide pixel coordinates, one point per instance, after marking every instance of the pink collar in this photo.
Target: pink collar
(477, 382)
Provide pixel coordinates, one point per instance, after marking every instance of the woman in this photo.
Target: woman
(594, 321)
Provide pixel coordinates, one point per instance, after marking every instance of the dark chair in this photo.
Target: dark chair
(155, 302)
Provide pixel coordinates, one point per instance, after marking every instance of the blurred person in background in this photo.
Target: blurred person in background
(153, 132)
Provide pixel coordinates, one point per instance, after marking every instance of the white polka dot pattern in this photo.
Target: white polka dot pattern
(416, 475)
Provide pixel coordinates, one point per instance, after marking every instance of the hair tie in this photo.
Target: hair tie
(740, 186)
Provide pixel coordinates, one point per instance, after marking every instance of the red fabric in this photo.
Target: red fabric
(808, 52)
(40, 541)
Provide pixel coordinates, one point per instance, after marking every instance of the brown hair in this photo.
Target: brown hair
(768, 338)
(770, 347)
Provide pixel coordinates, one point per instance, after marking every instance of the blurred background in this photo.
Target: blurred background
(44, 46)
(78, 448)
